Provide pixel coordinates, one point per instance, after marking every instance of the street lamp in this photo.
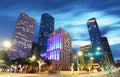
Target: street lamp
(91, 58)
(98, 48)
(74, 57)
(98, 52)
(7, 44)
(80, 53)
(33, 58)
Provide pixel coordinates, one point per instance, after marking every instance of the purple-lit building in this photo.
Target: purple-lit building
(23, 37)
(59, 50)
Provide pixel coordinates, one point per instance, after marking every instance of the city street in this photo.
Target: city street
(99, 74)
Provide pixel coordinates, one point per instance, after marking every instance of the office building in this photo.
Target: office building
(23, 37)
(96, 41)
(59, 50)
(86, 53)
(46, 28)
(107, 51)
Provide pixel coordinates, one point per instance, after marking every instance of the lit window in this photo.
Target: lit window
(94, 26)
(89, 28)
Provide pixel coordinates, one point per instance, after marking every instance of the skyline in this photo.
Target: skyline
(70, 15)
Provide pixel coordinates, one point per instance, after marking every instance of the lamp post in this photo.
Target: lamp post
(7, 45)
(80, 54)
(33, 59)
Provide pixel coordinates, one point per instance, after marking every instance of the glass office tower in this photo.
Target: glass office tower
(95, 38)
(46, 28)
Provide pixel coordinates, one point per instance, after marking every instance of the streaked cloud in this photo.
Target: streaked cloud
(72, 15)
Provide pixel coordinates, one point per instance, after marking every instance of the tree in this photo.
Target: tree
(40, 63)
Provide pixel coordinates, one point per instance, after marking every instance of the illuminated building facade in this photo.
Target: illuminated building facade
(46, 28)
(59, 50)
(107, 51)
(22, 37)
(95, 38)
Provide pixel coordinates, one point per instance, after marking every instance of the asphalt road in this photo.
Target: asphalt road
(99, 74)
(117, 74)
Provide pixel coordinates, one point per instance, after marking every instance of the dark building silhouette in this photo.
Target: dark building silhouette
(23, 37)
(3, 56)
(95, 38)
(107, 51)
(34, 48)
(46, 28)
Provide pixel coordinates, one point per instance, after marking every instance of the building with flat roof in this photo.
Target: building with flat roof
(23, 37)
(59, 49)
(86, 53)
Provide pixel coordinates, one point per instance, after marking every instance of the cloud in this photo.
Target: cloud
(6, 24)
(72, 15)
(113, 36)
(116, 51)
(78, 44)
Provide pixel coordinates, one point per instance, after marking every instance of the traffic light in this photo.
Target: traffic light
(97, 53)
(106, 67)
(89, 54)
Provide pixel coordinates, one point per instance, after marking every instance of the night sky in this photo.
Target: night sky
(71, 15)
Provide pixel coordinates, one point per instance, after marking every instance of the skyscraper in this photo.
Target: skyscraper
(107, 51)
(95, 38)
(46, 28)
(22, 37)
(59, 50)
